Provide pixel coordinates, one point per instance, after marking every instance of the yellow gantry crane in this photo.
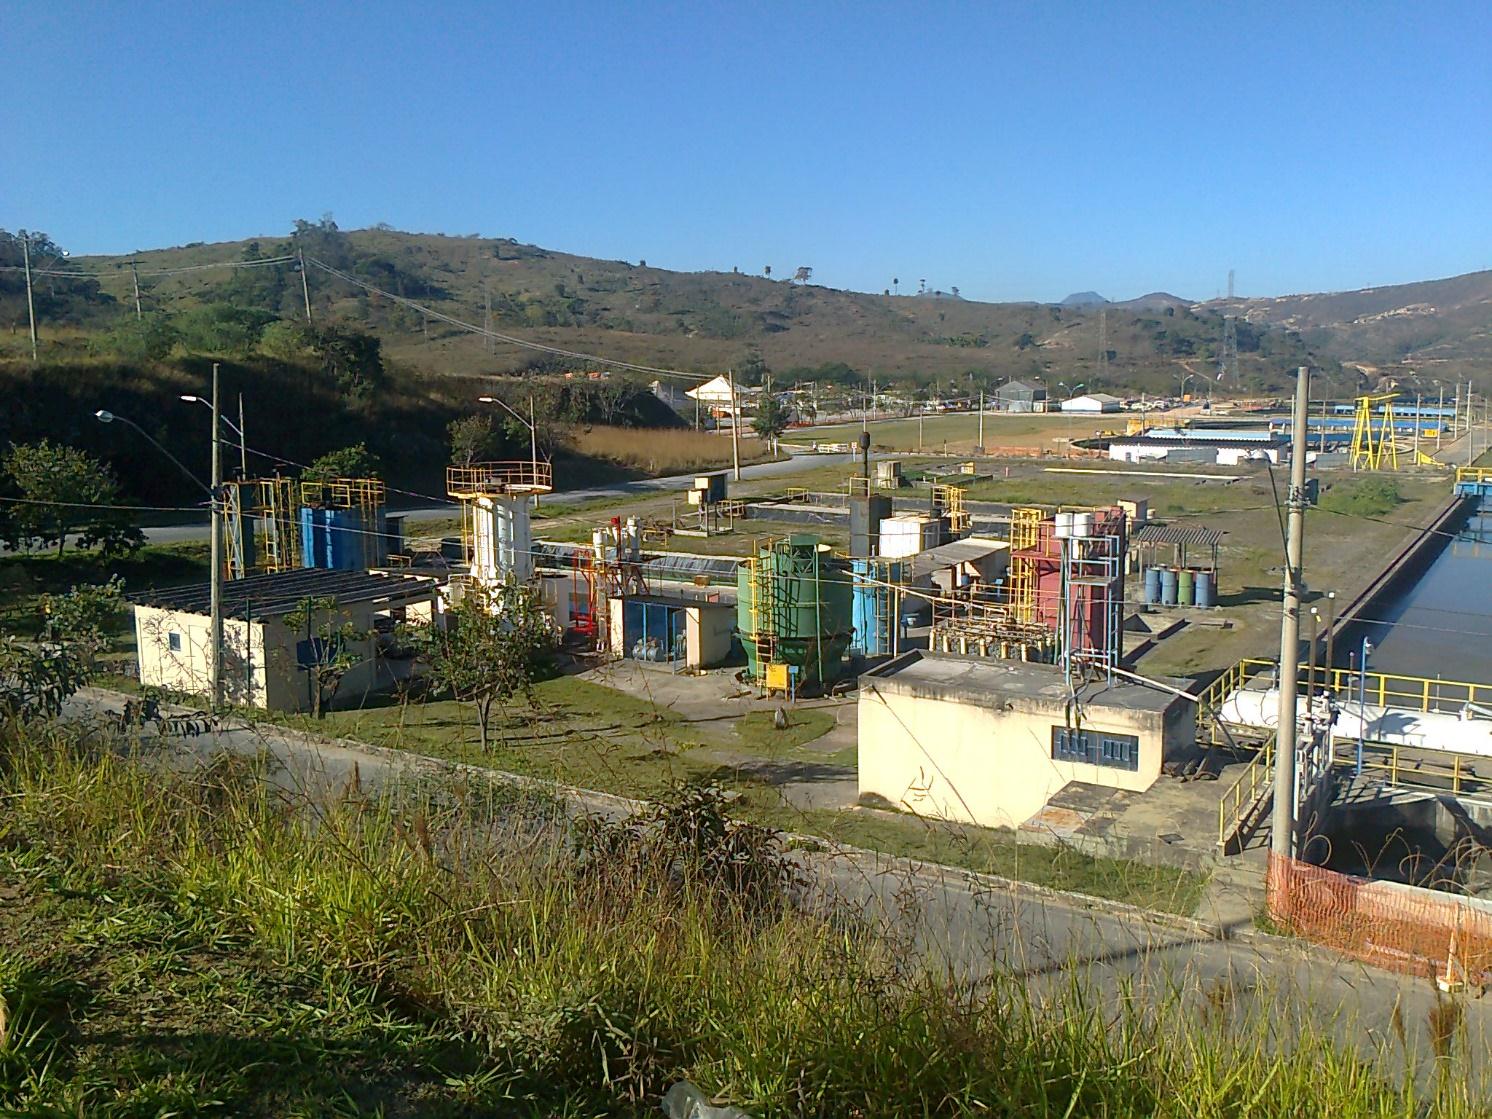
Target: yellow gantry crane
(1374, 445)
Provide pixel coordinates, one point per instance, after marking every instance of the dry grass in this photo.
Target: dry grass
(663, 451)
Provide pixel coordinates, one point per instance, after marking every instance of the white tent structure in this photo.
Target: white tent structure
(1093, 402)
(715, 396)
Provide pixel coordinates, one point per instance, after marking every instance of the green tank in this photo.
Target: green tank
(793, 607)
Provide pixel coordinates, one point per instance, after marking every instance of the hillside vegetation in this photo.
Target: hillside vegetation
(700, 321)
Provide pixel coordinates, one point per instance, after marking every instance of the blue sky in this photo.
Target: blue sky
(1018, 151)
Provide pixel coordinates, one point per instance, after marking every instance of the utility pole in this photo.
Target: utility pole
(305, 287)
(487, 317)
(1418, 399)
(735, 423)
(216, 506)
(30, 301)
(135, 275)
(243, 443)
(1282, 828)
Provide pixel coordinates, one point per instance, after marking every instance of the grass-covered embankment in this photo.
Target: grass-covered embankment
(199, 944)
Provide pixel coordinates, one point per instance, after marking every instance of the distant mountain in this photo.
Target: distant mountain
(1083, 299)
(1155, 301)
(1437, 327)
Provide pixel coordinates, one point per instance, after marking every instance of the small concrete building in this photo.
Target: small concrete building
(989, 742)
(1093, 402)
(265, 662)
(1194, 450)
(695, 631)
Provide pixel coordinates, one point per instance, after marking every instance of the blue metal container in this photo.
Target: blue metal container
(1152, 586)
(1207, 588)
(1168, 587)
(312, 538)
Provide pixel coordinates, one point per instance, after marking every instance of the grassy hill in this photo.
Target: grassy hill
(699, 321)
(1442, 328)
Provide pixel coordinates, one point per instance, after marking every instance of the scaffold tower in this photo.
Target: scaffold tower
(496, 498)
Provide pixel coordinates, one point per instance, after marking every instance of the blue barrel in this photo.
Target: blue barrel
(1152, 586)
(1168, 586)
(1207, 588)
(1185, 587)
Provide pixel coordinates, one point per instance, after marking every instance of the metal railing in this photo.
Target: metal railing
(483, 478)
(1382, 689)
(1411, 768)
(1474, 474)
(1241, 799)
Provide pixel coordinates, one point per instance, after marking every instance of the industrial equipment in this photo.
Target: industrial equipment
(794, 611)
(496, 499)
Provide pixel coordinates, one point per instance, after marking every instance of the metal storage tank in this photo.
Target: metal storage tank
(1207, 588)
(1168, 586)
(1152, 585)
(793, 608)
(1185, 587)
(873, 604)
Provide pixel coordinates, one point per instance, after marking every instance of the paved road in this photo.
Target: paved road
(182, 533)
(979, 926)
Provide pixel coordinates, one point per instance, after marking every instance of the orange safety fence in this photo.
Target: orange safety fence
(1443, 936)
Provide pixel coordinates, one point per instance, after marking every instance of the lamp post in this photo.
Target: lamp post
(533, 429)
(1073, 391)
(236, 428)
(214, 493)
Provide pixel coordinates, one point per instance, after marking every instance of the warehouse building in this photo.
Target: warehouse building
(1094, 402)
(990, 742)
(1020, 396)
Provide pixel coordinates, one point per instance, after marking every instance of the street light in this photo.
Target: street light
(533, 431)
(236, 428)
(1073, 393)
(214, 493)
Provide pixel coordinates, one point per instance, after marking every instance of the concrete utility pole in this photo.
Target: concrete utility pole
(1282, 827)
(243, 443)
(305, 287)
(1440, 418)
(487, 317)
(735, 423)
(215, 606)
(981, 421)
(135, 275)
(30, 301)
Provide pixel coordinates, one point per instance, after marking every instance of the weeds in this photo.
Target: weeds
(200, 942)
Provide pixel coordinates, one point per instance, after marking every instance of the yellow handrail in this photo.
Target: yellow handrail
(1244, 793)
(1386, 689)
(1474, 473)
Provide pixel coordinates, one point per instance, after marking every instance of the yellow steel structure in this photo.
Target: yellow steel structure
(273, 503)
(1243, 799)
(487, 481)
(763, 611)
(951, 500)
(1373, 442)
(1025, 531)
(1383, 689)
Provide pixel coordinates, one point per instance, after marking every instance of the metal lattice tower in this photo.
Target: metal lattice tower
(1103, 343)
(1373, 442)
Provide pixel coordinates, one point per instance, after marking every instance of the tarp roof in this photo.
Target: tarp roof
(959, 551)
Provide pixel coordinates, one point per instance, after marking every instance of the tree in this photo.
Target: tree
(473, 439)
(37, 678)
(493, 649)
(221, 328)
(771, 418)
(803, 274)
(148, 338)
(64, 490)
(330, 649)
(355, 461)
(767, 271)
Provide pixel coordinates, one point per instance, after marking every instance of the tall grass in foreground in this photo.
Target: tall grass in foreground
(583, 976)
(665, 450)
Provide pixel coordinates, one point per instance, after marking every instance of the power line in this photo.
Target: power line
(473, 328)
(83, 273)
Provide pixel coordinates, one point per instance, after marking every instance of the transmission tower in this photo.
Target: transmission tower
(1103, 343)
(1227, 357)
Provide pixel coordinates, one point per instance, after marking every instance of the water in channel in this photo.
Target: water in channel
(1441, 625)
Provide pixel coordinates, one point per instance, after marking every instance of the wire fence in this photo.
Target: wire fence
(1433, 933)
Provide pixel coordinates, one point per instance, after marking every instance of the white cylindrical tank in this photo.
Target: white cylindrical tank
(1064, 526)
(1082, 525)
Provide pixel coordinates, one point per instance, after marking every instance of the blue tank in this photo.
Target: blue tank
(1168, 586)
(1152, 586)
(1206, 588)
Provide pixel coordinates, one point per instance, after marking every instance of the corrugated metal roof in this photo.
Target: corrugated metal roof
(666, 564)
(959, 551)
(1186, 535)
(262, 596)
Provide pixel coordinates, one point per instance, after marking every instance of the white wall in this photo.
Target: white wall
(958, 761)
(707, 634)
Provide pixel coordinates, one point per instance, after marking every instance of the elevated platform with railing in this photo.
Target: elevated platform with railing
(499, 479)
(1474, 481)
